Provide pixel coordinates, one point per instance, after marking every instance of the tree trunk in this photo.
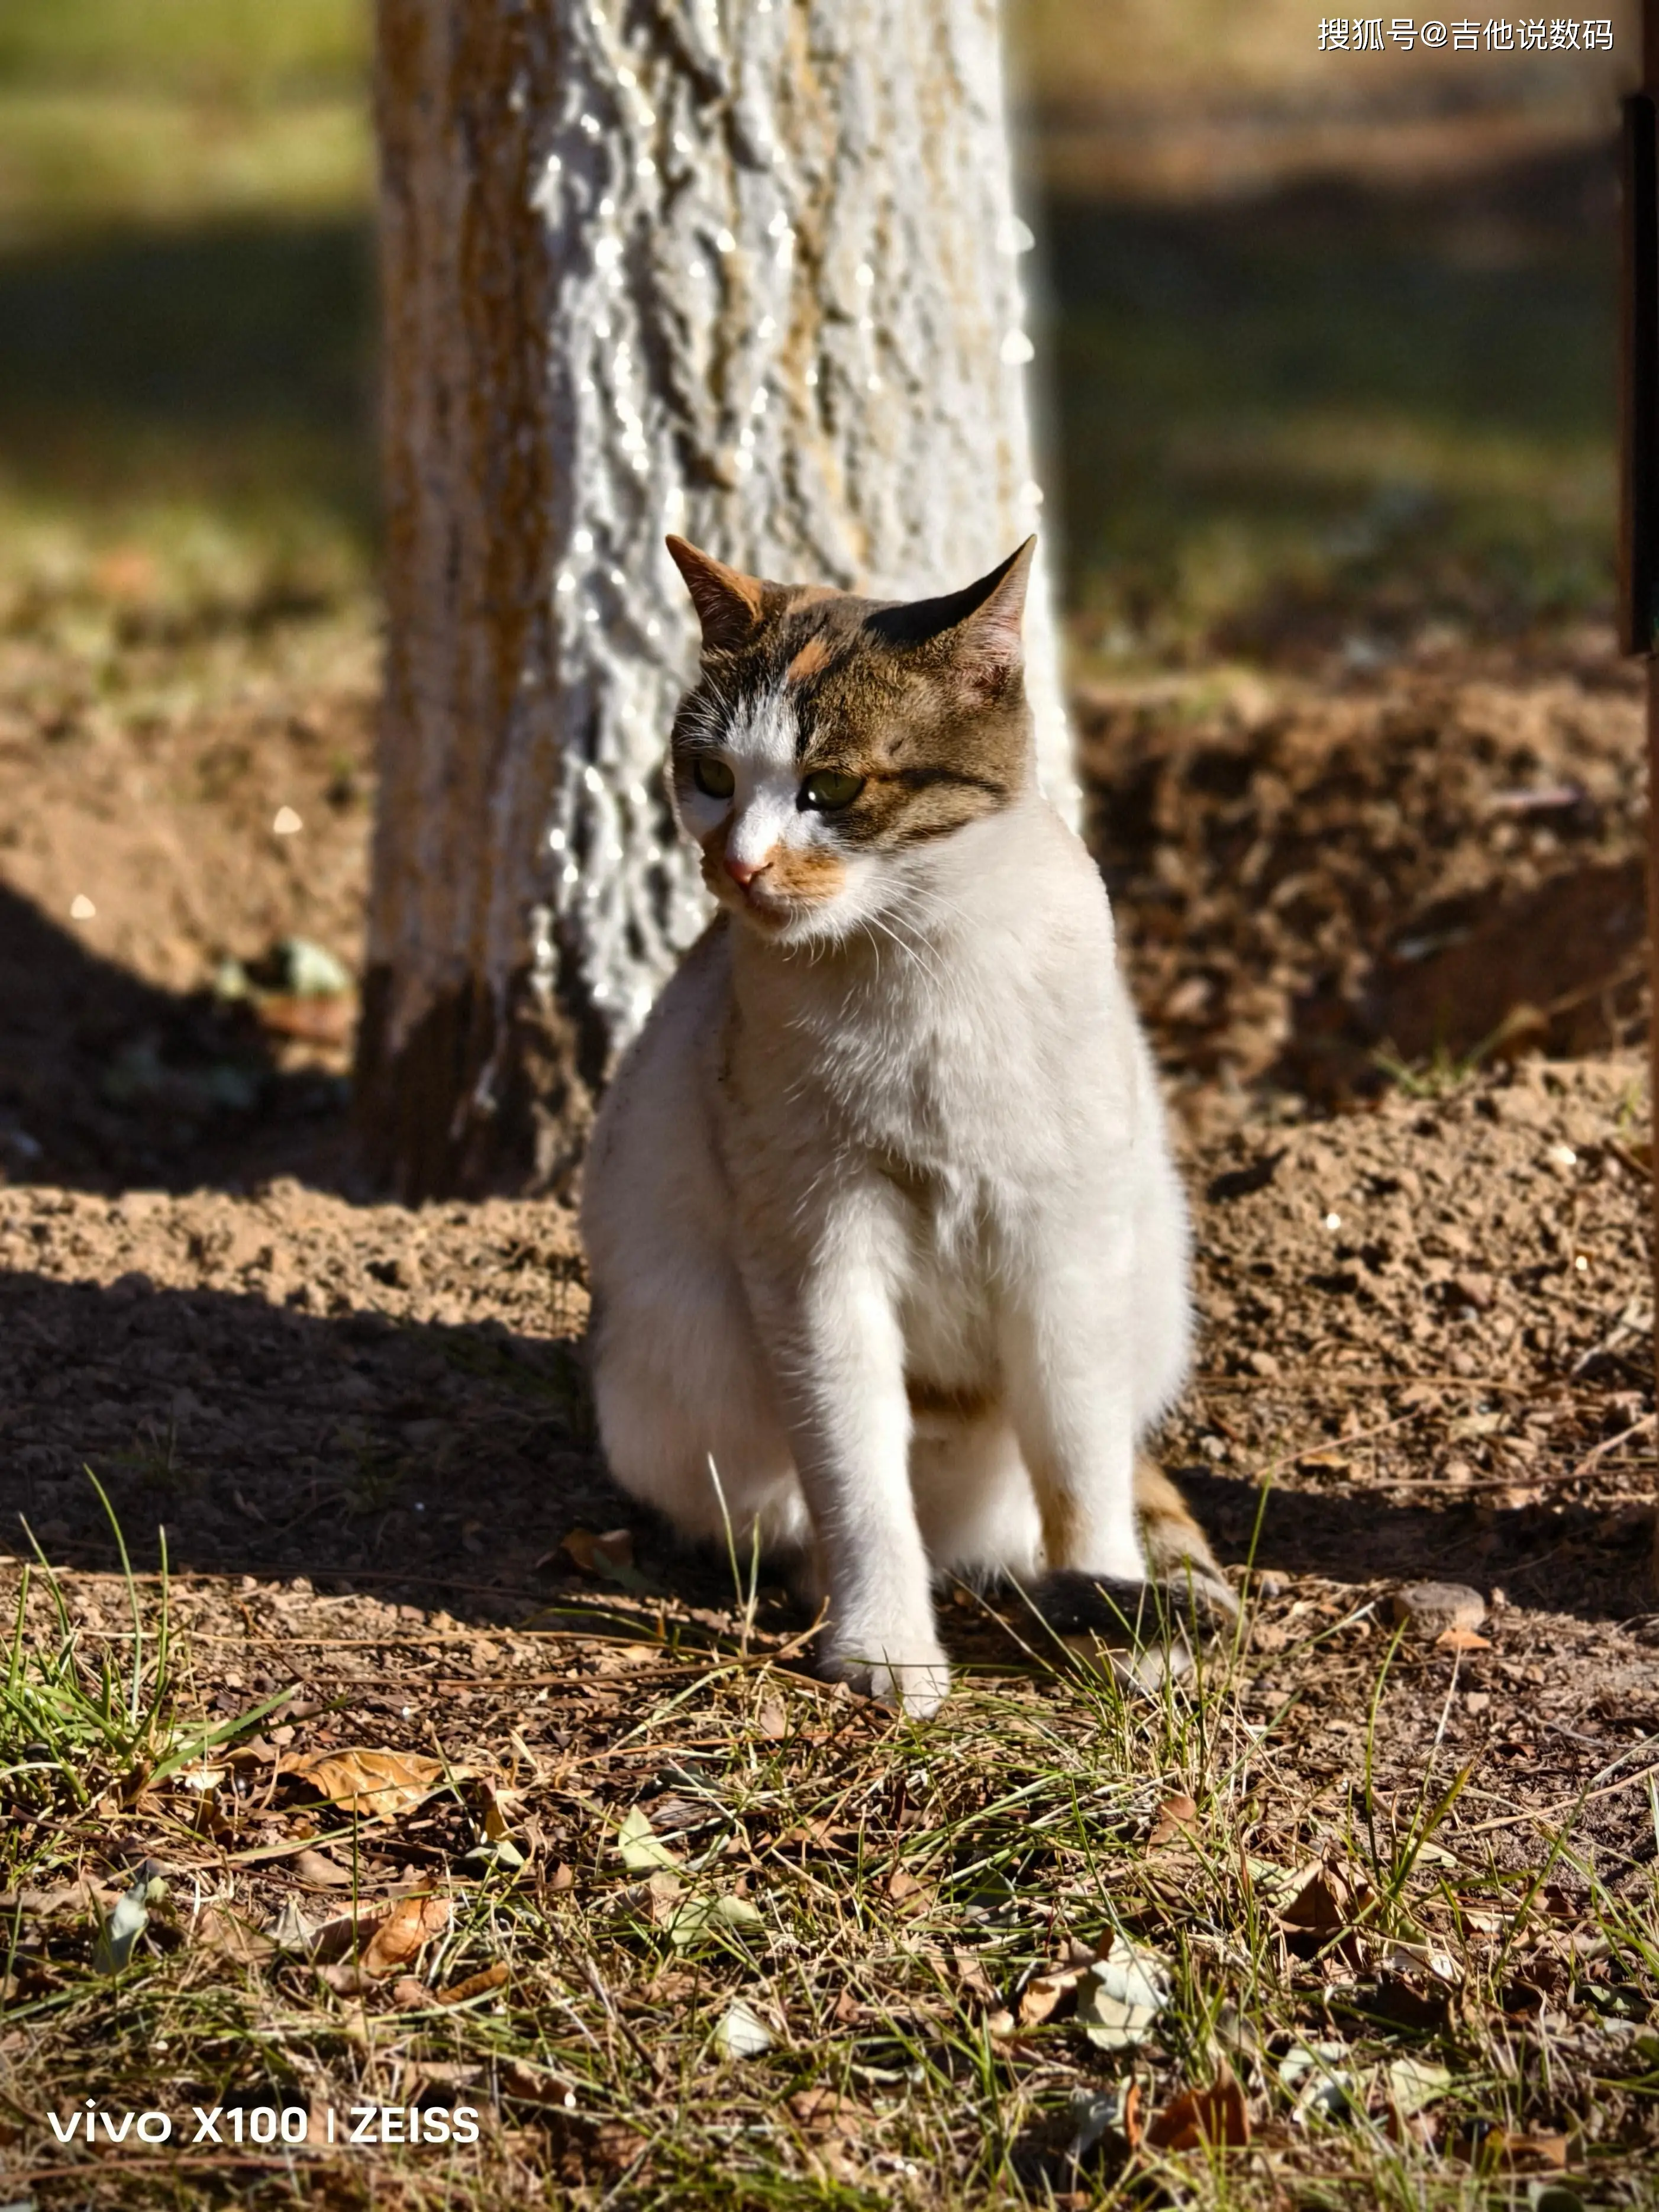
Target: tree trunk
(741, 269)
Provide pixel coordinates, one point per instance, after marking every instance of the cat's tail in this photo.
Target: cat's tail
(1184, 1598)
(1178, 1550)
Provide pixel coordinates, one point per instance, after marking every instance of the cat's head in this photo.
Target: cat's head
(828, 742)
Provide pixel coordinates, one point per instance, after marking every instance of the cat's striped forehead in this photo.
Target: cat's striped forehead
(922, 703)
(808, 677)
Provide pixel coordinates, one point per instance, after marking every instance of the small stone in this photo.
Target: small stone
(1263, 1364)
(1431, 1608)
(1473, 1289)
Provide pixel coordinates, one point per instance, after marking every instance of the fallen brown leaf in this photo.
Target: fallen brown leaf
(1174, 1814)
(66, 1896)
(346, 1978)
(476, 1986)
(1129, 2125)
(1044, 1994)
(1326, 1901)
(368, 1781)
(1217, 2117)
(910, 1895)
(592, 1552)
(400, 1934)
(215, 1929)
(1525, 2152)
(532, 2087)
(972, 1978)
(1462, 1639)
(321, 1873)
(817, 2107)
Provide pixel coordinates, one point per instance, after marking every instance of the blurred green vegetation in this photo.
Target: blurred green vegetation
(1338, 417)
(186, 298)
(1324, 416)
(253, 51)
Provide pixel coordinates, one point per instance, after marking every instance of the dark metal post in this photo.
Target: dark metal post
(1638, 551)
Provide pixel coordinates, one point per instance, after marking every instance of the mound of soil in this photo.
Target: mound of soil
(1313, 881)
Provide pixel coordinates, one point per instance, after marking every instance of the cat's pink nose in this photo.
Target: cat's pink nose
(744, 873)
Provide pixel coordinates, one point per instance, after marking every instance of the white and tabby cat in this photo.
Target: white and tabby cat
(880, 1210)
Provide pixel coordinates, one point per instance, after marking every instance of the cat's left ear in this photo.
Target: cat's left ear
(979, 627)
(989, 629)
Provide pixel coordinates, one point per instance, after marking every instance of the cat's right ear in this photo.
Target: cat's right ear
(727, 602)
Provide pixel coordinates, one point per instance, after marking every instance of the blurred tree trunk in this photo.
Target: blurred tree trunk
(741, 269)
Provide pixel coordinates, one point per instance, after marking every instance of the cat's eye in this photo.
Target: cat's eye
(827, 789)
(712, 777)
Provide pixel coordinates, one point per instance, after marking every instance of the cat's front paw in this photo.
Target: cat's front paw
(918, 1681)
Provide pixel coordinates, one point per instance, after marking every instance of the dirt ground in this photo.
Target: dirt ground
(1313, 873)
(1386, 926)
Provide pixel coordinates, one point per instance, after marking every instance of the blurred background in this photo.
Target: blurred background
(1330, 397)
(1329, 330)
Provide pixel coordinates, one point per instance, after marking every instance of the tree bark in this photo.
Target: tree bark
(741, 269)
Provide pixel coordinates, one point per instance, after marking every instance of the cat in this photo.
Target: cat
(889, 1255)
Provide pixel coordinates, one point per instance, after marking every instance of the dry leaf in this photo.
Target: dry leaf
(202, 1778)
(474, 1986)
(291, 1929)
(1044, 1994)
(701, 1916)
(67, 1897)
(818, 2107)
(595, 1554)
(771, 1720)
(1217, 2117)
(910, 1895)
(498, 1808)
(1313, 2075)
(1120, 1997)
(1413, 2084)
(401, 1934)
(217, 1930)
(530, 2087)
(346, 1978)
(1531, 2151)
(1174, 1814)
(1402, 1958)
(740, 2034)
(640, 1846)
(370, 1781)
(1326, 1900)
(972, 1978)
(1462, 1639)
(663, 1888)
(321, 1873)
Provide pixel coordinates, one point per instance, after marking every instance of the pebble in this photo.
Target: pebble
(1433, 1607)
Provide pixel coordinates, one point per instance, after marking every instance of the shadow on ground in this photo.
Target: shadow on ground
(1561, 1559)
(107, 1083)
(445, 1464)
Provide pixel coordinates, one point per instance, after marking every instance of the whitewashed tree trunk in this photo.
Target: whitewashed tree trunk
(745, 270)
